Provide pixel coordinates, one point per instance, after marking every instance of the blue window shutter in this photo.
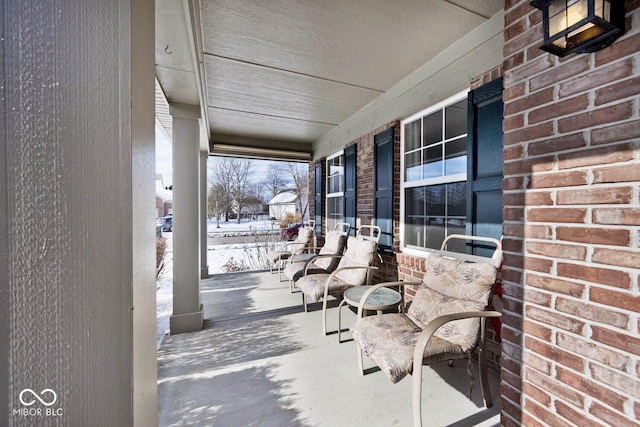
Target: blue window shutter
(484, 164)
(383, 188)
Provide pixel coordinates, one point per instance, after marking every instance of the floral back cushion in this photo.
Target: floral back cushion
(453, 286)
(334, 244)
(359, 252)
(304, 239)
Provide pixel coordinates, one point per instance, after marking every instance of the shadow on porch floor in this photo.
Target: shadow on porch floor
(261, 361)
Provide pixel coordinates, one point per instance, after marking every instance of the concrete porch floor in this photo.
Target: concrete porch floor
(261, 361)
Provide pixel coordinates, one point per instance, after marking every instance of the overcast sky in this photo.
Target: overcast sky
(163, 157)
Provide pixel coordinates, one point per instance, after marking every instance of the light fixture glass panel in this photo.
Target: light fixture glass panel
(557, 23)
(576, 12)
(602, 9)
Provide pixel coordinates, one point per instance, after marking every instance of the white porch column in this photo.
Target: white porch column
(187, 310)
(204, 267)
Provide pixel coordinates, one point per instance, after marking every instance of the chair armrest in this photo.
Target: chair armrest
(309, 261)
(432, 327)
(421, 344)
(373, 288)
(300, 250)
(285, 246)
(337, 270)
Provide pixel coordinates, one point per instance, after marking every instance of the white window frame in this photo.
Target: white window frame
(339, 194)
(457, 97)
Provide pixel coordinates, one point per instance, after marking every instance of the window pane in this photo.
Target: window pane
(335, 183)
(455, 157)
(414, 216)
(335, 175)
(436, 200)
(456, 226)
(412, 135)
(457, 199)
(413, 166)
(414, 231)
(432, 128)
(335, 211)
(455, 117)
(414, 201)
(435, 232)
(433, 163)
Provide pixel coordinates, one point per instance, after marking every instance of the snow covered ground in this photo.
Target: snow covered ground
(217, 257)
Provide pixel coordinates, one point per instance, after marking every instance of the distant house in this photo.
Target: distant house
(252, 207)
(164, 198)
(281, 204)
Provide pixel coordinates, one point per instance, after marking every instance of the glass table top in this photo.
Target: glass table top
(380, 299)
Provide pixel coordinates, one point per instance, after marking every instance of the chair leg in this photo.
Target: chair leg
(417, 396)
(360, 361)
(484, 378)
(340, 320)
(324, 316)
(304, 302)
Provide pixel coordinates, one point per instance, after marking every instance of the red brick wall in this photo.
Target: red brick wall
(571, 336)
(388, 267)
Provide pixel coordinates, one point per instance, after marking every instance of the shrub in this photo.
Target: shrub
(288, 219)
(161, 255)
(254, 255)
(232, 266)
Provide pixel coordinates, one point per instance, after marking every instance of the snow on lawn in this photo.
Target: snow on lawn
(217, 257)
(231, 228)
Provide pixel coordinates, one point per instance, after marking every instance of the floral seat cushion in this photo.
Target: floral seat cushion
(313, 286)
(295, 271)
(334, 245)
(389, 339)
(359, 253)
(449, 286)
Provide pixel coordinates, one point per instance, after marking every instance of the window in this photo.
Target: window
(434, 166)
(335, 190)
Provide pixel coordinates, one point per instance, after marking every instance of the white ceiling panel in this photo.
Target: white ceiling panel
(266, 127)
(244, 87)
(292, 70)
(371, 43)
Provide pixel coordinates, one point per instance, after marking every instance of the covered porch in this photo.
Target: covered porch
(260, 360)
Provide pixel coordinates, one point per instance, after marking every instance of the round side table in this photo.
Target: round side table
(381, 299)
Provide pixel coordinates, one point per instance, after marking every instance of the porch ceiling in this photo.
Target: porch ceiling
(281, 74)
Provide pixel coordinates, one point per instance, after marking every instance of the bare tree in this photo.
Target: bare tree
(220, 181)
(274, 181)
(216, 205)
(299, 175)
(240, 184)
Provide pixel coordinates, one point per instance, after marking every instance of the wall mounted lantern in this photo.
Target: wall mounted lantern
(581, 26)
